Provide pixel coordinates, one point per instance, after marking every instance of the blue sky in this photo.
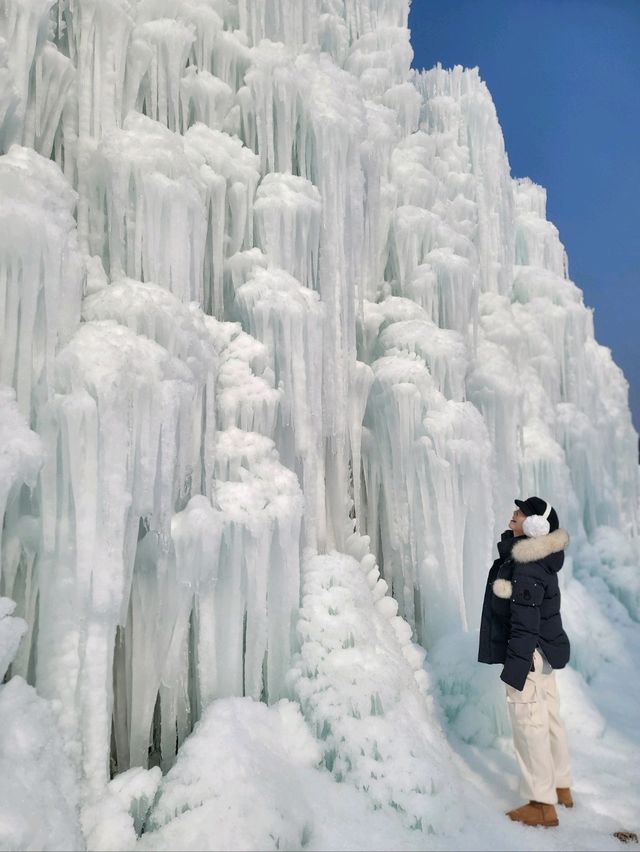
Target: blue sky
(565, 79)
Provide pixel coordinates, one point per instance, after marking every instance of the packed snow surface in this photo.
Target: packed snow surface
(281, 340)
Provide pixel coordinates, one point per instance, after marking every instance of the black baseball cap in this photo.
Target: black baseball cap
(537, 506)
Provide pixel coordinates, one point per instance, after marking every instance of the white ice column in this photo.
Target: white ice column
(435, 523)
(53, 76)
(537, 242)
(20, 461)
(598, 441)
(218, 48)
(491, 388)
(242, 552)
(239, 268)
(310, 120)
(443, 351)
(457, 105)
(23, 32)
(544, 471)
(406, 102)
(377, 316)
(203, 98)
(40, 270)
(453, 301)
(609, 392)
(588, 455)
(170, 42)
(365, 16)
(288, 216)
(362, 379)
(274, 102)
(333, 131)
(260, 562)
(293, 22)
(9, 101)
(590, 394)
(380, 195)
(288, 319)
(231, 173)
(245, 394)
(151, 311)
(96, 36)
(381, 60)
(433, 259)
(147, 217)
(159, 647)
(112, 431)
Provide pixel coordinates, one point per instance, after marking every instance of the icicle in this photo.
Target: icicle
(19, 464)
(381, 60)
(245, 602)
(40, 270)
(293, 22)
(287, 218)
(147, 213)
(457, 104)
(426, 439)
(54, 75)
(382, 135)
(117, 440)
(288, 319)
(231, 175)
(203, 98)
(97, 34)
(444, 352)
(23, 30)
(159, 94)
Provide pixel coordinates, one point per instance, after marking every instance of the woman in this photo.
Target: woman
(521, 627)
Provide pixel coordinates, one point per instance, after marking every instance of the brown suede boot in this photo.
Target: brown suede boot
(535, 813)
(564, 797)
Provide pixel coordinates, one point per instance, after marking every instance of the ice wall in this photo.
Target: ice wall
(263, 286)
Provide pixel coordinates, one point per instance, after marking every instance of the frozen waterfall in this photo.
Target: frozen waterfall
(264, 293)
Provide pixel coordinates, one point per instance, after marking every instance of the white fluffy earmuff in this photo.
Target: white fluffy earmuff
(537, 525)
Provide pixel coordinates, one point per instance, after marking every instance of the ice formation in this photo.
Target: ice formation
(280, 340)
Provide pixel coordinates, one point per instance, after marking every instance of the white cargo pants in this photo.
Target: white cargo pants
(539, 735)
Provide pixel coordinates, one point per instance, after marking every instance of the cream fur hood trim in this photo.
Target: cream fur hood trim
(533, 549)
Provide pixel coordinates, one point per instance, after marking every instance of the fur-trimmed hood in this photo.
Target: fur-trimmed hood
(534, 549)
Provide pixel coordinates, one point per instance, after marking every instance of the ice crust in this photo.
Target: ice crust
(281, 339)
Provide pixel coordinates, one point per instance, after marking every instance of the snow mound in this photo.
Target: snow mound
(38, 793)
(233, 786)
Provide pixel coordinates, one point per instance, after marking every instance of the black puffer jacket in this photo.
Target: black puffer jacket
(521, 610)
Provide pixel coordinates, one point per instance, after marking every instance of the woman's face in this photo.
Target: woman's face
(515, 524)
